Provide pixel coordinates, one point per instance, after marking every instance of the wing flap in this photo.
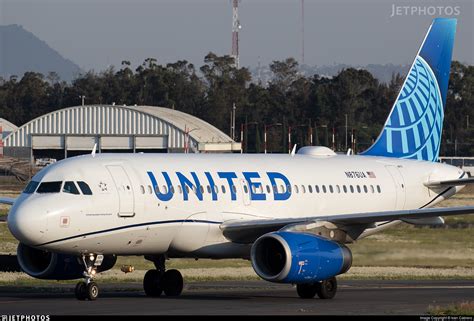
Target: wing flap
(249, 231)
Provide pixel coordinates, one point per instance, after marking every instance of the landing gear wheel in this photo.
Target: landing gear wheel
(172, 283)
(92, 291)
(152, 283)
(306, 290)
(327, 289)
(81, 291)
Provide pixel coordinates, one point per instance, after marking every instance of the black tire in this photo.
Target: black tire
(172, 283)
(152, 283)
(92, 291)
(81, 291)
(306, 290)
(327, 289)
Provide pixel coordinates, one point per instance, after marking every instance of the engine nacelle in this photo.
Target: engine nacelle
(55, 266)
(296, 257)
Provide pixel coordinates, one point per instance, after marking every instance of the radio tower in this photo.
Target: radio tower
(235, 32)
(302, 32)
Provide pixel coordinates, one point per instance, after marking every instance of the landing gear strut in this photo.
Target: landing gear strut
(88, 289)
(325, 289)
(159, 280)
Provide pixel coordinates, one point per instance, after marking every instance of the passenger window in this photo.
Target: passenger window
(85, 189)
(246, 190)
(142, 189)
(310, 189)
(268, 189)
(49, 187)
(70, 188)
(201, 188)
(338, 189)
(331, 189)
(372, 188)
(296, 189)
(316, 188)
(223, 189)
(365, 189)
(358, 189)
(303, 190)
(209, 189)
(172, 189)
(344, 188)
(31, 187)
(150, 189)
(234, 189)
(378, 189)
(165, 190)
(288, 187)
(216, 189)
(351, 188)
(324, 188)
(187, 189)
(282, 188)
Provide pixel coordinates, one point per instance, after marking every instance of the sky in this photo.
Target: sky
(98, 33)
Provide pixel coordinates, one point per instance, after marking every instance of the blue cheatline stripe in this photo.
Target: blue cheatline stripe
(128, 227)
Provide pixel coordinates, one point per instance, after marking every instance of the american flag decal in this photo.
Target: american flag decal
(371, 174)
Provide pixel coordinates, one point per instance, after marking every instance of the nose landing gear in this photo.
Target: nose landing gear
(158, 281)
(88, 289)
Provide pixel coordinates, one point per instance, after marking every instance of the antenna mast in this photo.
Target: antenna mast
(235, 31)
(302, 32)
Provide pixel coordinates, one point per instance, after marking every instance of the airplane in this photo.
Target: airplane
(290, 215)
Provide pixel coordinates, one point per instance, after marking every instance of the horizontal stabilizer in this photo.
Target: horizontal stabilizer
(7, 200)
(452, 182)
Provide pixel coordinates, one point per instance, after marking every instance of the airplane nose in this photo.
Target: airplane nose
(27, 224)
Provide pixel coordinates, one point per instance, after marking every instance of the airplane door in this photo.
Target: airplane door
(399, 186)
(245, 191)
(124, 190)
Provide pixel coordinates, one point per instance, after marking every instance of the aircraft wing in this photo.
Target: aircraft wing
(249, 231)
(7, 200)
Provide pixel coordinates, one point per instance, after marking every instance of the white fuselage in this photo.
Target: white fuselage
(125, 215)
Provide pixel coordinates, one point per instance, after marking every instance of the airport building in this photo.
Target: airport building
(75, 130)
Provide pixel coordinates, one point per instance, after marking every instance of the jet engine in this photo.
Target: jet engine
(296, 257)
(55, 266)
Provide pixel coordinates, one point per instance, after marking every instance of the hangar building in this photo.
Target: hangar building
(74, 130)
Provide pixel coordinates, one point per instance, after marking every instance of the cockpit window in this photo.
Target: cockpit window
(49, 187)
(31, 187)
(84, 188)
(70, 187)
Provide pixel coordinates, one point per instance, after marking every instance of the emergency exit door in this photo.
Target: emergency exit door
(124, 190)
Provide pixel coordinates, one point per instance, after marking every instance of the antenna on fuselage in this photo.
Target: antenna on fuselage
(94, 150)
(293, 151)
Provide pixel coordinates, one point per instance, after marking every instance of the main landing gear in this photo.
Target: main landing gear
(88, 289)
(159, 280)
(325, 289)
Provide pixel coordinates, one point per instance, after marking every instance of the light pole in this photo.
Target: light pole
(82, 99)
(186, 138)
(290, 128)
(346, 132)
(265, 126)
(243, 127)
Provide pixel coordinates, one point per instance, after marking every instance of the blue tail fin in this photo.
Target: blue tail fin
(413, 128)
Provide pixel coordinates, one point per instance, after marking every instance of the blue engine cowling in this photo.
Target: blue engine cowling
(297, 257)
(55, 266)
